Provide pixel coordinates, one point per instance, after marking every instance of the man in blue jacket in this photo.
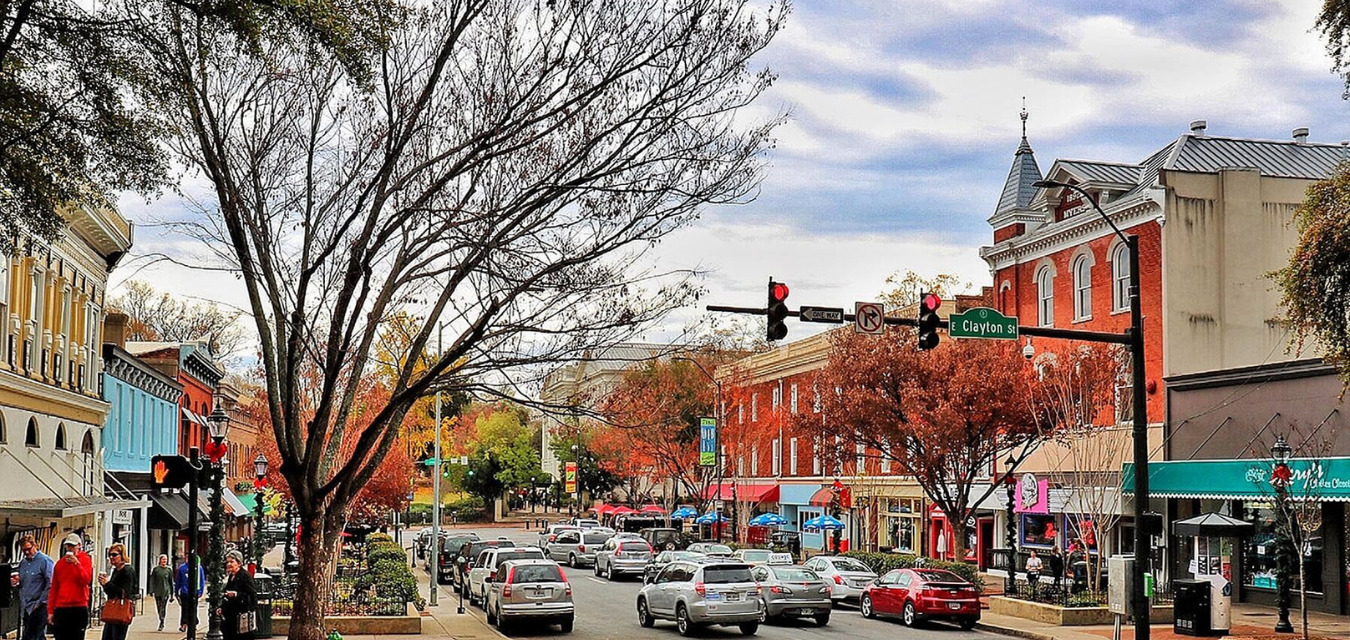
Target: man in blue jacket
(188, 603)
(34, 580)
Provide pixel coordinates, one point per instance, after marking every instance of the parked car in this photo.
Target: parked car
(587, 523)
(753, 556)
(663, 538)
(467, 554)
(529, 590)
(850, 577)
(445, 562)
(696, 595)
(486, 566)
(711, 549)
(551, 533)
(618, 557)
(914, 595)
(423, 543)
(628, 535)
(577, 548)
(794, 592)
(655, 565)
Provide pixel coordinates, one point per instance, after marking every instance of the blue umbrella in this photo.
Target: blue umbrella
(823, 523)
(768, 520)
(709, 518)
(684, 513)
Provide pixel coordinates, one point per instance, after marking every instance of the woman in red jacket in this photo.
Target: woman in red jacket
(68, 603)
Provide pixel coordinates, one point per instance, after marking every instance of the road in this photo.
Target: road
(606, 611)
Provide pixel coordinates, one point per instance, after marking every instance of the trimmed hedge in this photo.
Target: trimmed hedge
(884, 562)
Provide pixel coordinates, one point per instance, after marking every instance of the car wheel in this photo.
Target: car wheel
(597, 567)
(572, 560)
(566, 624)
(670, 546)
(491, 616)
(968, 623)
(645, 619)
(910, 617)
(682, 623)
(609, 572)
(866, 606)
(763, 611)
(822, 619)
(504, 626)
(749, 628)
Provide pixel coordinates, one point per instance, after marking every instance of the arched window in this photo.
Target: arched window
(32, 439)
(61, 437)
(1120, 277)
(1082, 288)
(1045, 297)
(88, 445)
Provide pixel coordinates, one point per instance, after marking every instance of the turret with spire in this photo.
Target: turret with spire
(1017, 190)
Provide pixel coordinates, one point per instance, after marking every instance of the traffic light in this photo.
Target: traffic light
(777, 310)
(170, 472)
(928, 320)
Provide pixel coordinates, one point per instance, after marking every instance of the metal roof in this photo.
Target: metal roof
(1280, 158)
(1017, 191)
(1110, 172)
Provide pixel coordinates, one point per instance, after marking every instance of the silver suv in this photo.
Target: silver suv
(622, 555)
(529, 590)
(698, 594)
(577, 548)
(487, 566)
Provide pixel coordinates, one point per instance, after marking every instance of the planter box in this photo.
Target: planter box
(359, 625)
(1066, 616)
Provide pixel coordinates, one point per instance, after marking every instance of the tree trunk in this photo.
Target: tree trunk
(318, 540)
(1303, 592)
(957, 545)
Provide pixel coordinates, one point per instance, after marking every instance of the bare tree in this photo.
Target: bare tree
(507, 171)
(154, 315)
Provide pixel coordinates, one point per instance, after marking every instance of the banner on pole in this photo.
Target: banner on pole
(570, 483)
(707, 442)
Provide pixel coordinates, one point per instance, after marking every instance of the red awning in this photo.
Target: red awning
(621, 511)
(651, 508)
(750, 492)
(822, 498)
(602, 509)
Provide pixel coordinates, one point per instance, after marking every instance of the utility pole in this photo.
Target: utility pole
(436, 491)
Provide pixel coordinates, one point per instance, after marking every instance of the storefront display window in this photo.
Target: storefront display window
(902, 524)
(1040, 530)
(1260, 563)
(1081, 531)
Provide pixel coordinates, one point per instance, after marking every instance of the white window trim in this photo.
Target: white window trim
(1082, 288)
(1120, 278)
(815, 404)
(815, 456)
(792, 456)
(754, 460)
(776, 449)
(1045, 297)
(754, 408)
(794, 399)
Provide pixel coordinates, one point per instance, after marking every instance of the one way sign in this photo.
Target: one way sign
(834, 315)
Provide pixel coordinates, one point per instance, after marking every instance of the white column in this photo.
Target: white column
(143, 537)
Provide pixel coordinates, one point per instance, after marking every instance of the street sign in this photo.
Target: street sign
(707, 442)
(570, 483)
(869, 318)
(982, 322)
(833, 315)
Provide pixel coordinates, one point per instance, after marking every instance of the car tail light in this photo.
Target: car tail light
(777, 589)
(506, 590)
(552, 537)
(563, 574)
(759, 590)
(700, 589)
(838, 580)
(568, 586)
(581, 548)
(492, 576)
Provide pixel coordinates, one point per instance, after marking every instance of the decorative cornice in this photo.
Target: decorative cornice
(127, 368)
(1056, 237)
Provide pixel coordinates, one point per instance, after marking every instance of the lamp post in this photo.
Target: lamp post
(219, 425)
(1010, 485)
(1279, 478)
(1142, 552)
(260, 472)
(721, 421)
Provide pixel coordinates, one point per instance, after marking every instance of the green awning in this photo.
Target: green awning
(248, 501)
(1324, 480)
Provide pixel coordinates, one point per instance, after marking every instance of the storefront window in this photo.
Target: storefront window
(1039, 530)
(1081, 531)
(1260, 564)
(902, 525)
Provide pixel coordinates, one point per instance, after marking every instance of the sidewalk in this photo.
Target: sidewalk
(1250, 622)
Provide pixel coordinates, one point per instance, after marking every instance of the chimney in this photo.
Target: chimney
(1198, 127)
(1301, 135)
(115, 329)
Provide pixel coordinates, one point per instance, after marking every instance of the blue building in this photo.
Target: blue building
(142, 422)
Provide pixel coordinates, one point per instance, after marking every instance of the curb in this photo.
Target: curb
(1010, 631)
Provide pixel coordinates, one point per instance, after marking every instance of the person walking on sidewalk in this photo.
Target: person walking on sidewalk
(1057, 568)
(34, 581)
(240, 600)
(188, 599)
(121, 585)
(1034, 568)
(68, 601)
(160, 583)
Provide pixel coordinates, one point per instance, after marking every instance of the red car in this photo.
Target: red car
(914, 595)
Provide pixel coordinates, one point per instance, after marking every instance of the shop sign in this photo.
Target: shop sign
(1033, 495)
(707, 442)
(1327, 478)
(122, 516)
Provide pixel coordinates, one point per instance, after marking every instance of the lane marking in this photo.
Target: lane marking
(596, 580)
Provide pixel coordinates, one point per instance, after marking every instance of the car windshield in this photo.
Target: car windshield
(849, 564)
(935, 575)
(755, 555)
(536, 573)
(685, 555)
(596, 538)
(726, 575)
(518, 555)
(453, 544)
(795, 575)
(634, 546)
(717, 548)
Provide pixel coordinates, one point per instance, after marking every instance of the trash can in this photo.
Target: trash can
(262, 584)
(1190, 605)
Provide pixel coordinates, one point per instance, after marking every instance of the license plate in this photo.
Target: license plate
(954, 606)
(714, 597)
(733, 597)
(807, 612)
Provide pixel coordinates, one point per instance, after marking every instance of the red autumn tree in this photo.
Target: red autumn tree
(942, 415)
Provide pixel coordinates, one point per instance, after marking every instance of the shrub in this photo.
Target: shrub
(385, 551)
(379, 537)
(884, 562)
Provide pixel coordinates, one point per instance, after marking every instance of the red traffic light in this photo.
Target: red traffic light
(779, 292)
(931, 302)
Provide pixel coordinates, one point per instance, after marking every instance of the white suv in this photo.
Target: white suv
(487, 563)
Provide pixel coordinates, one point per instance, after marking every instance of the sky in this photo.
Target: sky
(904, 120)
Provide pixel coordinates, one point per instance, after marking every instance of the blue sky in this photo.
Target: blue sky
(905, 119)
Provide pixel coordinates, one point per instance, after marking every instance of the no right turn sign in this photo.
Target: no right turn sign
(869, 318)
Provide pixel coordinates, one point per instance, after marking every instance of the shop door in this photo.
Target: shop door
(986, 543)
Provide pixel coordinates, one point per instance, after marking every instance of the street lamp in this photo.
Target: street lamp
(1142, 552)
(259, 472)
(721, 422)
(218, 423)
(1281, 452)
(1010, 484)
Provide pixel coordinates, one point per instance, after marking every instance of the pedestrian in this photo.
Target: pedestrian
(1034, 568)
(1057, 567)
(34, 581)
(68, 601)
(188, 598)
(236, 611)
(160, 583)
(119, 586)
